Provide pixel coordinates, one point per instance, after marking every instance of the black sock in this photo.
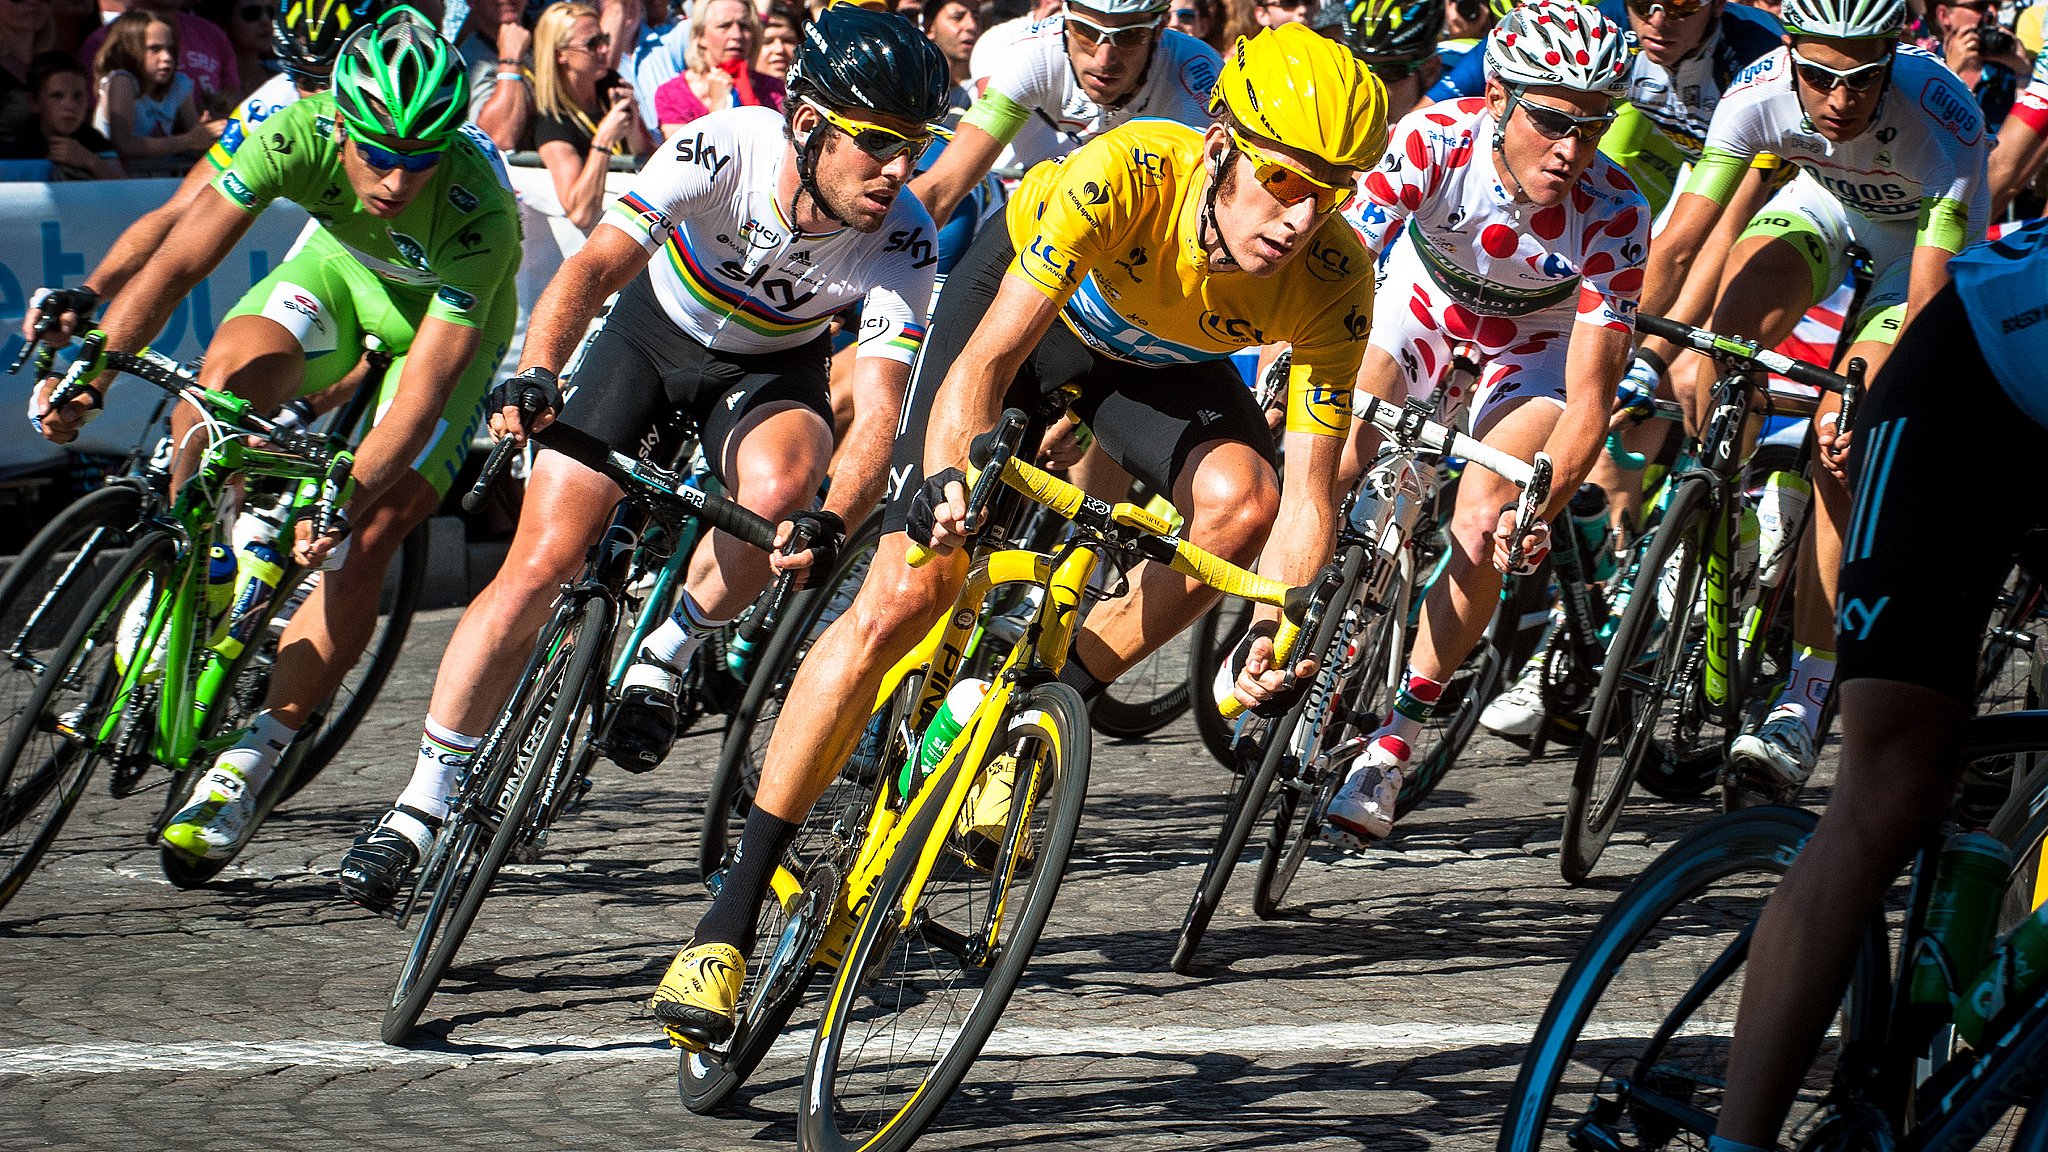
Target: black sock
(738, 903)
(1076, 676)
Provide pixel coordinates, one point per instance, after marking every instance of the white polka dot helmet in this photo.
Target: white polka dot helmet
(1549, 43)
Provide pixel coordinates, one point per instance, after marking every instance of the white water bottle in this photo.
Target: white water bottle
(1780, 513)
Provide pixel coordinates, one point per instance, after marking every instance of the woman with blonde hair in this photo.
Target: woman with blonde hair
(719, 72)
(583, 111)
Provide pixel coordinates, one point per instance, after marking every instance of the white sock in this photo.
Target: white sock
(673, 644)
(256, 754)
(443, 753)
(1806, 693)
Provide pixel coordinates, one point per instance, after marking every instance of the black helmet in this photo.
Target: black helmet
(306, 34)
(854, 60)
(1383, 32)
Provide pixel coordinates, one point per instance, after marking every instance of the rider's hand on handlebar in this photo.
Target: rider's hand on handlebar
(532, 391)
(325, 552)
(938, 512)
(1261, 685)
(61, 425)
(1827, 433)
(1635, 400)
(72, 308)
(828, 535)
(1535, 544)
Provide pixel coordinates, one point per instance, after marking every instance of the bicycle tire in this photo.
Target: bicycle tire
(47, 584)
(1210, 639)
(36, 804)
(1052, 718)
(562, 685)
(346, 709)
(1137, 704)
(818, 858)
(1627, 704)
(1756, 842)
(746, 735)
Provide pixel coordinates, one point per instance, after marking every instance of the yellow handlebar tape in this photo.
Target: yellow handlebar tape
(1283, 656)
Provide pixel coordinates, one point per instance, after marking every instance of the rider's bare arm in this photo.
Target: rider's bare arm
(206, 232)
(958, 169)
(440, 354)
(606, 263)
(1593, 366)
(863, 459)
(1692, 222)
(2013, 163)
(139, 242)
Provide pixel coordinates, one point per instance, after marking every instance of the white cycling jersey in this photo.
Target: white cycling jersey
(1032, 101)
(732, 272)
(2031, 106)
(1920, 163)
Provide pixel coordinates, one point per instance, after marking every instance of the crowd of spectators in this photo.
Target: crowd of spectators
(93, 89)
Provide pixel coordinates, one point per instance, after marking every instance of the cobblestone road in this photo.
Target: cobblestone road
(1387, 1012)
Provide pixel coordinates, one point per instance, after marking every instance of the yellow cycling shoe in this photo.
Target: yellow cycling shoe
(695, 1000)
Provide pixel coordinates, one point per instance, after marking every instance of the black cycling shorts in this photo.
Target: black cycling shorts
(1947, 481)
(1149, 420)
(643, 383)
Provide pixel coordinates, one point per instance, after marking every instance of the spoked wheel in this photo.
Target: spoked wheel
(1651, 700)
(47, 585)
(745, 748)
(1632, 1050)
(933, 965)
(545, 719)
(1149, 696)
(1211, 638)
(76, 718)
(792, 923)
(358, 691)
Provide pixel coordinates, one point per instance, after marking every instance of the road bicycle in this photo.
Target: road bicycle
(534, 764)
(1357, 620)
(1692, 650)
(1632, 1048)
(145, 677)
(924, 890)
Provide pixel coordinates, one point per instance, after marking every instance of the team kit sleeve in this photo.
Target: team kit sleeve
(1022, 82)
(1611, 264)
(892, 317)
(1956, 185)
(260, 170)
(1084, 215)
(1324, 363)
(1391, 192)
(1735, 137)
(477, 259)
(682, 180)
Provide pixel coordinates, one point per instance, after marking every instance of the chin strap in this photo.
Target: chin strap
(1500, 152)
(1207, 221)
(807, 154)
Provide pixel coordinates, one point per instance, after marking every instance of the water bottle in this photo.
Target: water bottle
(261, 567)
(1365, 508)
(1748, 531)
(1962, 912)
(2016, 968)
(1588, 513)
(1780, 513)
(939, 735)
(260, 522)
(220, 590)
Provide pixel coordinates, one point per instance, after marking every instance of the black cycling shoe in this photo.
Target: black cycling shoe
(644, 727)
(380, 864)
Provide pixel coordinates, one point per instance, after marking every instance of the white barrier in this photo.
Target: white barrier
(51, 235)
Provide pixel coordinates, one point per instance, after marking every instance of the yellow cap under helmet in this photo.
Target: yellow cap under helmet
(1305, 91)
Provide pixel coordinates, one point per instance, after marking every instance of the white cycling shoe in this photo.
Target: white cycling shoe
(1781, 752)
(215, 820)
(1362, 811)
(1518, 712)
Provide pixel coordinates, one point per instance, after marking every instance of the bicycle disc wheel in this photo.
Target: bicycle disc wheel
(1651, 699)
(45, 589)
(746, 738)
(493, 812)
(788, 932)
(920, 990)
(1209, 641)
(1632, 1049)
(351, 701)
(52, 746)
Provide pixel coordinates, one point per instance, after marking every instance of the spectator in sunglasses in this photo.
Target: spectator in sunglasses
(583, 111)
(1273, 13)
(248, 27)
(720, 72)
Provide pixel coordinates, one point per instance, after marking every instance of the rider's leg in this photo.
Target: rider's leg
(253, 357)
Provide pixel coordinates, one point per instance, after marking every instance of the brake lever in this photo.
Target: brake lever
(1535, 494)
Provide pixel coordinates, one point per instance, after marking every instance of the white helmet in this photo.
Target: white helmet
(1553, 43)
(1845, 19)
(1123, 7)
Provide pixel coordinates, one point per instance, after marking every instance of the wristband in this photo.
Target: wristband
(504, 63)
(1654, 361)
(519, 76)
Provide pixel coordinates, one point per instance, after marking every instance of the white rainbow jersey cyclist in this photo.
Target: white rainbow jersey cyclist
(1470, 263)
(737, 276)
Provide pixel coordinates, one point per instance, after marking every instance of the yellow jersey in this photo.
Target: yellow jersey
(1111, 233)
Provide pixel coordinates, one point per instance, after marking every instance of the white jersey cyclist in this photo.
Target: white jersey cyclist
(1914, 178)
(1032, 102)
(1468, 262)
(2031, 106)
(734, 275)
(1680, 101)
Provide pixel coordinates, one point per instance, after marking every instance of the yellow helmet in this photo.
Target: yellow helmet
(1305, 91)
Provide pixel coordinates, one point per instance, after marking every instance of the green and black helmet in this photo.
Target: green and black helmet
(399, 85)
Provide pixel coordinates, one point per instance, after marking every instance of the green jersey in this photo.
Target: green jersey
(458, 241)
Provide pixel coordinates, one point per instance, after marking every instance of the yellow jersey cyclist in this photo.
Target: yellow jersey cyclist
(1965, 383)
(731, 252)
(418, 247)
(1505, 228)
(305, 37)
(1891, 149)
(1131, 269)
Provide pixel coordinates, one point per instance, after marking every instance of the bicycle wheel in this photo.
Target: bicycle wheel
(933, 964)
(1651, 700)
(351, 701)
(1209, 641)
(1632, 1049)
(746, 738)
(788, 932)
(45, 589)
(52, 745)
(492, 815)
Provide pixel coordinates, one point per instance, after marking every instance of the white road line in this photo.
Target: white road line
(364, 1055)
